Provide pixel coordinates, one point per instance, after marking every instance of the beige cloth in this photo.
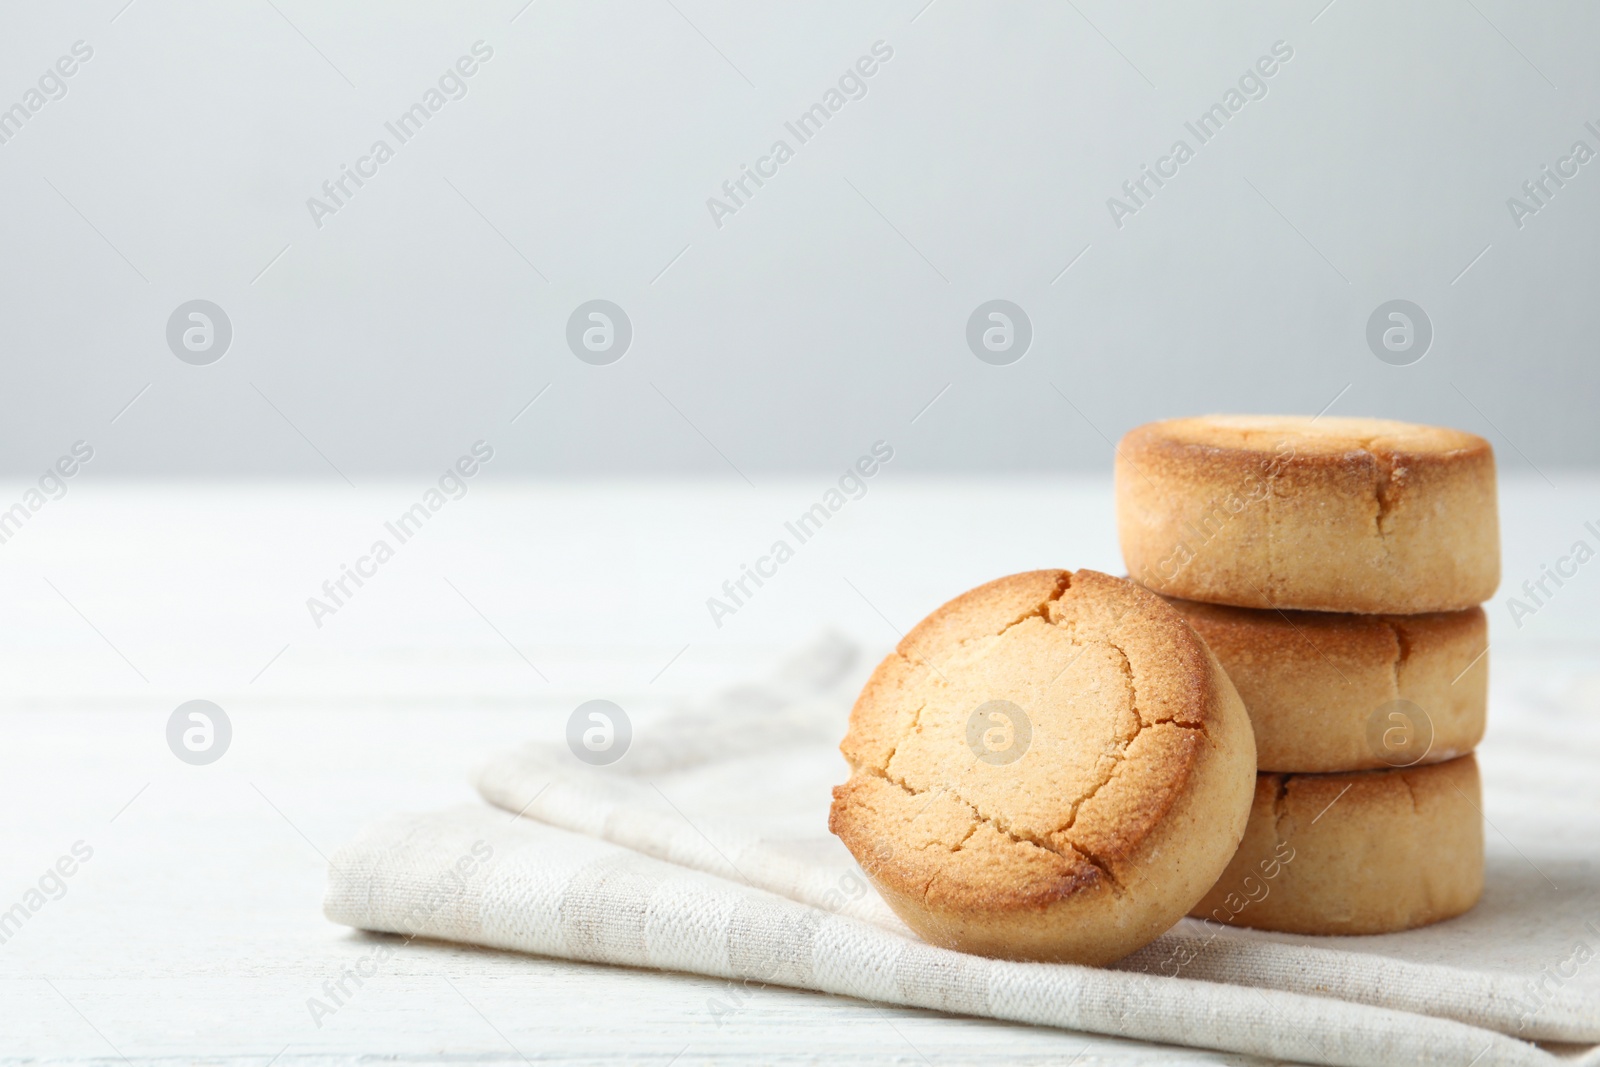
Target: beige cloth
(705, 850)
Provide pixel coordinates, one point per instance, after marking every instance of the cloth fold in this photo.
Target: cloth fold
(705, 850)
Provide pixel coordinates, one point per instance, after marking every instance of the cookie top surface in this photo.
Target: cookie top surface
(1025, 742)
(1325, 436)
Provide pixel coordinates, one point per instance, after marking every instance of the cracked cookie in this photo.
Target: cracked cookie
(1370, 852)
(1335, 692)
(1052, 766)
(1325, 514)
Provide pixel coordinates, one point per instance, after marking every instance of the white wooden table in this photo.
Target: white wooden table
(194, 932)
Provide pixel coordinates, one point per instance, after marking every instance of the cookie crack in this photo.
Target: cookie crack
(1126, 663)
(1040, 610)
(1279, 808)
(1402, 651)
(1384, 490)
(916, 724)
(999, 826)
(1117, 759)
(1405, 780)
(1099, 865)
(1120, 756)
(1127, 673)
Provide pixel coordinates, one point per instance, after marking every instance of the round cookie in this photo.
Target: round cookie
(1370, 852)
(1334, 692)
(1051, 766)
(1327, 514)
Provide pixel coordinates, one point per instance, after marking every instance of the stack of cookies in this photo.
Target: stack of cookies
(1335, 567)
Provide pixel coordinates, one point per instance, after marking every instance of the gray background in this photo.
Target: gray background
(832, 308)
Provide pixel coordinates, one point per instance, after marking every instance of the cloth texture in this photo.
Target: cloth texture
(705, 850)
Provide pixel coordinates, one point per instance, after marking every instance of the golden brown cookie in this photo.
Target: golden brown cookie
(1370, 852)
(1049, 767)
(1327, 514)
(1335, 692)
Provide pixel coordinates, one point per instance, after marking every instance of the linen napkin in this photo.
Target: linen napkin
(705, 850)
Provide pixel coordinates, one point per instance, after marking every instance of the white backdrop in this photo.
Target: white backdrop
(1367, 153)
